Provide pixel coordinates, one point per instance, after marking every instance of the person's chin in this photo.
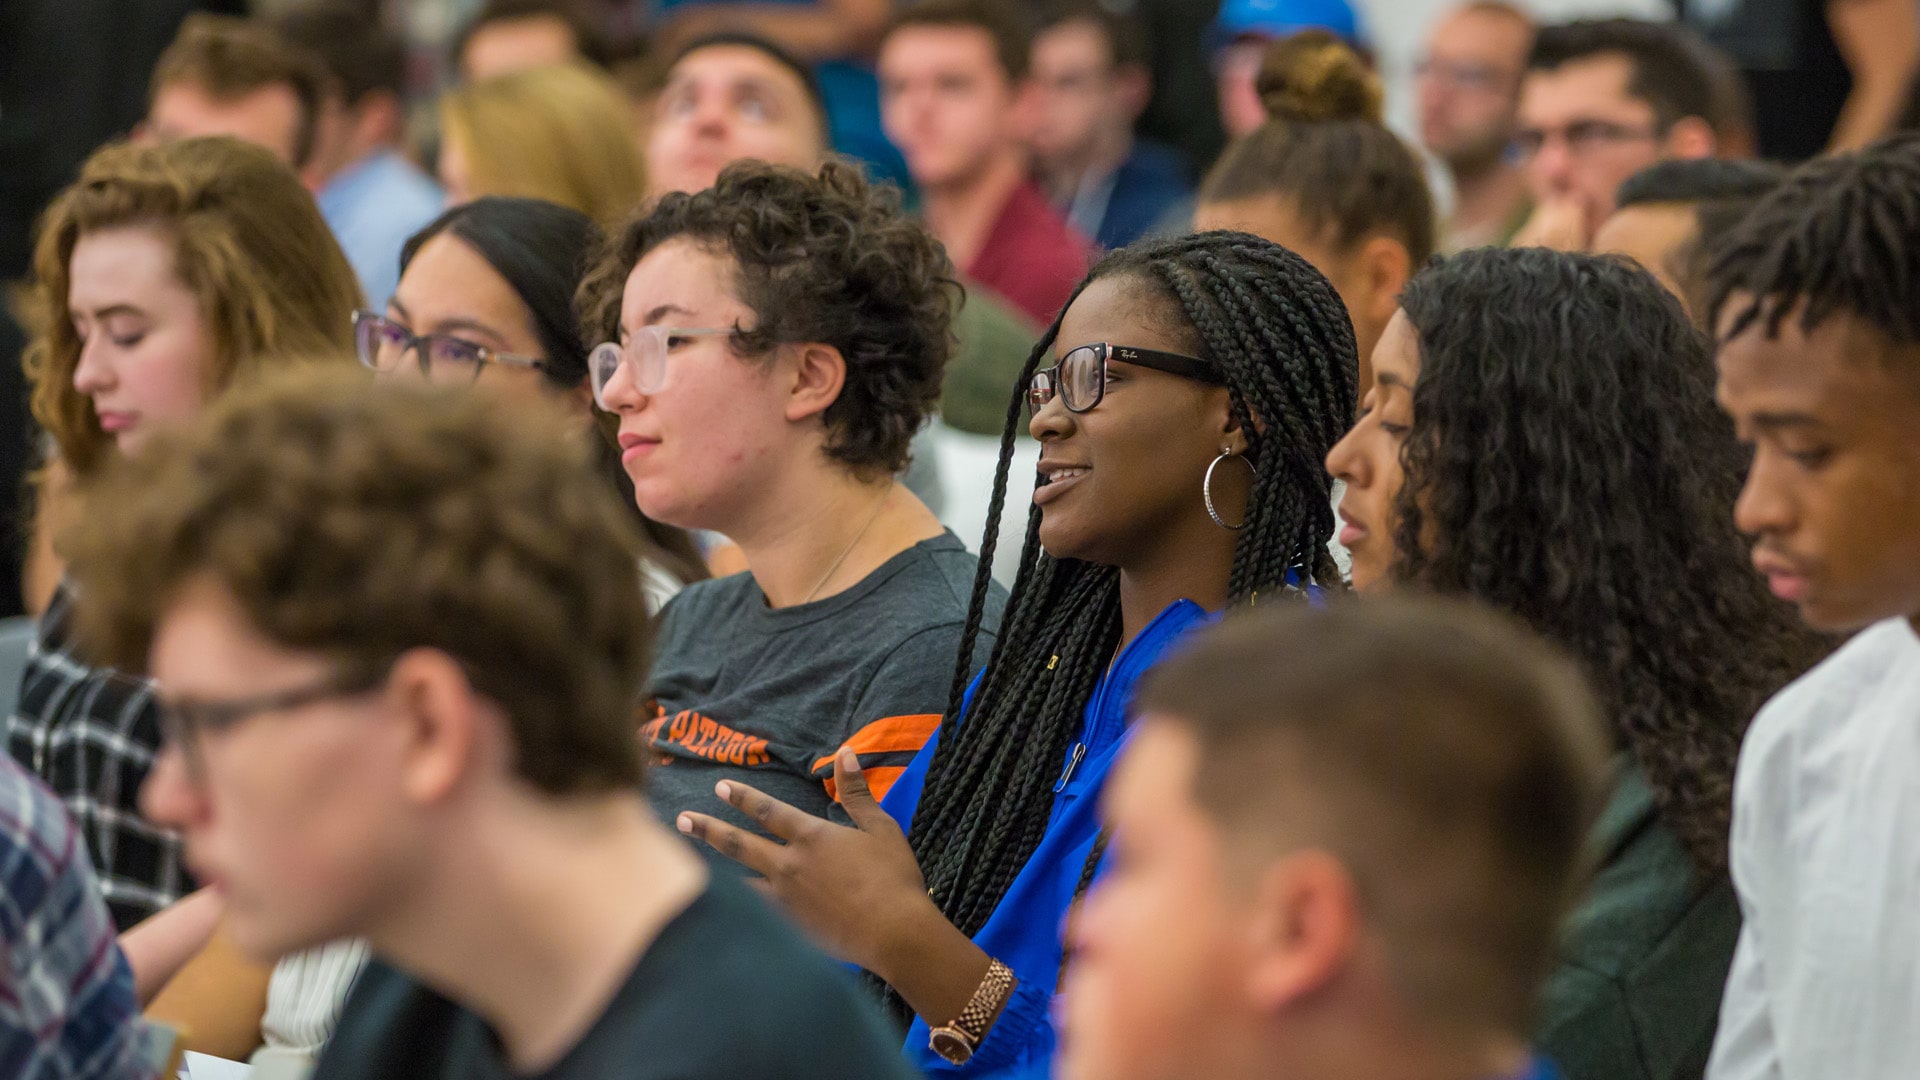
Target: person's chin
(1370, 578)
(692, 177)
(1829, 614)
(1061, 541)
(662, 506)
(261, 937)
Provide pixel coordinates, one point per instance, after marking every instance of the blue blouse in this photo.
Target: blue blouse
(1024, 931)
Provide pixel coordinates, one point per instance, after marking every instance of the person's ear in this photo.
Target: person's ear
(580, 397)
(1304, 930)
(377, 120)
(1691, 138)
(1023, 115)
(819, 374)
(1133, 89)
(1385, 265)
(441, 717)
(1233, 437)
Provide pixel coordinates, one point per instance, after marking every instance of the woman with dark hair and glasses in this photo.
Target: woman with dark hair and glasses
(1201, 382)
(486, 297)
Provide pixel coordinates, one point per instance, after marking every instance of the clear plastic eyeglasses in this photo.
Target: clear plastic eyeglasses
(643, 358)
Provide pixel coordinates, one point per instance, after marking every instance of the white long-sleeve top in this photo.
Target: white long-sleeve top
(1826, 857)
(304, 998)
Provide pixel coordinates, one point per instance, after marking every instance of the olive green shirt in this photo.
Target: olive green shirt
(993, 342)
(1644, 957)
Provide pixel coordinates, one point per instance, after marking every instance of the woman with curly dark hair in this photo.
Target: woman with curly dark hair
(771, 345)
(1541, 434)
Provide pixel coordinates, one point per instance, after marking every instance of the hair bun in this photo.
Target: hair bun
(1313, 77)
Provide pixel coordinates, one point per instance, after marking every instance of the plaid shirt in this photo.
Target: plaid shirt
(66, 994)
(90, 734)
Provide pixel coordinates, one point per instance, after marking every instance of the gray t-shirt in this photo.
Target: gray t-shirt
(769, 696)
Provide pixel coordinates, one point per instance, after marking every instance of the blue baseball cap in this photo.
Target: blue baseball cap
(1280, 18)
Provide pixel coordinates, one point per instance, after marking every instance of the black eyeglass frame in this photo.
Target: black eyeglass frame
(1187, 367)
(183, 723)
(421, 346)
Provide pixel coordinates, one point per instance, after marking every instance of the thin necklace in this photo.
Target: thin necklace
(857, 537)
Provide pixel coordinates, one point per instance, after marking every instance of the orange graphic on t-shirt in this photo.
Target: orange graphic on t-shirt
(703, 737)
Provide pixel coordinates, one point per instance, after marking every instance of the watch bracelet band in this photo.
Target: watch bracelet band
(978, 1017)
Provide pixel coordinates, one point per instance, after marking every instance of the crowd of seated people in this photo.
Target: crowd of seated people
(804, 544)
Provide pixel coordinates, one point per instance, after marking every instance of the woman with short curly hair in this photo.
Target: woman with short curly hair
(772, 344)
(1541, 435)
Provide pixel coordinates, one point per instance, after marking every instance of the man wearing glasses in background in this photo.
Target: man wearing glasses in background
(1469, 94)
(1601, 101)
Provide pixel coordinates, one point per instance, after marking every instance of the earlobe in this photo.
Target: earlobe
(581, 397)
(1135, 90)
(819, 374)
(1024, 115)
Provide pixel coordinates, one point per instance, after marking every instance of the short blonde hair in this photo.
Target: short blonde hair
(248, 241)
(565, 134)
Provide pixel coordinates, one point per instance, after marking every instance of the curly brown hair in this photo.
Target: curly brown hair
(822, 258)
(361, 520)
(1567, 464)
(247, 240)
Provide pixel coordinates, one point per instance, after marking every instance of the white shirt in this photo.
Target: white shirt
(1826, 858)
(304, 997)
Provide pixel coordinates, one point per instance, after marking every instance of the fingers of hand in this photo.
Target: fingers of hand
(755, 853)
(855, 797)
(773, 815)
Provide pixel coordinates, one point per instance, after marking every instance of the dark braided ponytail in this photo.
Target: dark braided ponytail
(1282, 341)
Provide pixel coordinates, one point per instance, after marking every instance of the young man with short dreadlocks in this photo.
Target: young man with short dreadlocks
(1816, 302)
(1200, 383)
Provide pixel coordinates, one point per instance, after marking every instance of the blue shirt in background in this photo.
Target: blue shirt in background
(66, 994)
(373, 207)
(1127, 204)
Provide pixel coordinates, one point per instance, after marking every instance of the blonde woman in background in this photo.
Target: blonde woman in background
(563, 134)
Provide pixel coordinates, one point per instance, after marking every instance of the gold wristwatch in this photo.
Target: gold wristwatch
(957, 1041)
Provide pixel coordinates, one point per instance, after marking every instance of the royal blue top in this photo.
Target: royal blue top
(1024, 930)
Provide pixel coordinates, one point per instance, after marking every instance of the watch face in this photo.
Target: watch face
(951, 1045)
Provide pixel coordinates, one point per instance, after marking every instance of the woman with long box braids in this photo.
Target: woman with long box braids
(1201, 382)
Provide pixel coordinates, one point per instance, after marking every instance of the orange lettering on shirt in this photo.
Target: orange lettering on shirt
(694, 735)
